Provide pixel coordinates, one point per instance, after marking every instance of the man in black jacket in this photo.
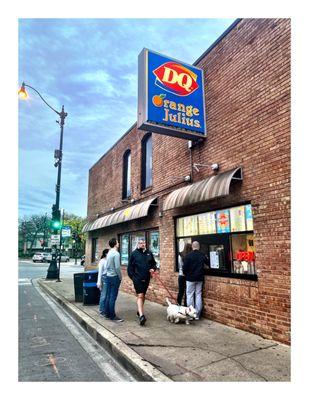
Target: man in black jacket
(141, 265)
(194, 271)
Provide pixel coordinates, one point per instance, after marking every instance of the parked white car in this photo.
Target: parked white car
(64, 258)
(47, 257)
(38, 257)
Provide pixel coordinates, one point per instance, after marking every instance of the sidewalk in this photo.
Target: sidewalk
(162, 351)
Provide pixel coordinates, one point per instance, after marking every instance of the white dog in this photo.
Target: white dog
(177, 313)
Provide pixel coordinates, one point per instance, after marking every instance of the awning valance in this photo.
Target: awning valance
(210, 188)
(137, 211)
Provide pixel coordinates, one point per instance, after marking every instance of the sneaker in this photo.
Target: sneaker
(142, 320)
(104, 316)
(196, 318)
(117, 319)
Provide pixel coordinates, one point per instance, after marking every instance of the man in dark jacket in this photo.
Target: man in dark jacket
(194, 271)
(141, 265)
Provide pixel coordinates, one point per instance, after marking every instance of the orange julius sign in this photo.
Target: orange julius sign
(171, 97)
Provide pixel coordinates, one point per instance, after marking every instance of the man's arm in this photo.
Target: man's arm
(153, 262)
(117, 265)
(130, 268)
(185, 265)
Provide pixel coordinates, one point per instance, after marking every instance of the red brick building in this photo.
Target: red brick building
(241, 213)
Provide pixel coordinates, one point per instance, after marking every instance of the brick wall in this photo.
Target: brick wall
(247, 78)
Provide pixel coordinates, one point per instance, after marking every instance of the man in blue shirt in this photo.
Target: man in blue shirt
(113, 280)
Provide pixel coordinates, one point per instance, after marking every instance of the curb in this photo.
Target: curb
(142, 369)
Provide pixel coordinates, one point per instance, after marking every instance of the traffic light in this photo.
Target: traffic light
(56, 218)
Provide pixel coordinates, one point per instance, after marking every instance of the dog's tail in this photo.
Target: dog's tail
(167, 301)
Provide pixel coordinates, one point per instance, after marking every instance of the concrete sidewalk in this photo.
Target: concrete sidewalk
(162, 351)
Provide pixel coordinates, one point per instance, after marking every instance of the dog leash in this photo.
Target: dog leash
(157, 277)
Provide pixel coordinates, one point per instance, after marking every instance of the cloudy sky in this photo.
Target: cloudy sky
(90, 67)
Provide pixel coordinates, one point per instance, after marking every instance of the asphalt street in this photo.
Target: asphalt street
(52, 346)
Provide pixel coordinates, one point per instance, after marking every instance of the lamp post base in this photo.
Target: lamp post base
(52, 272)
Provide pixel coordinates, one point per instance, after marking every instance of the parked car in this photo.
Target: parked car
(47, 257)
(38, 257)
(64, 258)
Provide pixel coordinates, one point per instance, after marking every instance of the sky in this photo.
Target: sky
(90, 67)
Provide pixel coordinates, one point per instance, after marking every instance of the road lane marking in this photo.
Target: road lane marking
(24, 281)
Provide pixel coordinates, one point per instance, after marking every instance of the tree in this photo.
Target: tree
(76, 223)
(30, 229)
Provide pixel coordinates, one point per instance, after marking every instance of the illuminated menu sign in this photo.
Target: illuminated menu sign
(190, 226)
(207, 223)
(249, 219)
(223, 221)
(237, 217)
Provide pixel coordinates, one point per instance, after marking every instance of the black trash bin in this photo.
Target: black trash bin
(78, 286)
(91, 292)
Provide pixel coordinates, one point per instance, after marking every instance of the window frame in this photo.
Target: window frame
(146, 233)
(211, 271)
(144, 156)
(126, 186)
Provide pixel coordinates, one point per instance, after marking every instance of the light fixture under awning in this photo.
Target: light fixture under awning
(210, 188)
(134, 212)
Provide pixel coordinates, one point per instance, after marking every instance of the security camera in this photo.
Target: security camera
(214, 167)
(187, 178)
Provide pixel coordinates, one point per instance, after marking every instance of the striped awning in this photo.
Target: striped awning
(210, 188)
(137, 211)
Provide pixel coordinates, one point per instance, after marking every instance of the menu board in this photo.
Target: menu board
(179, 227)
(223, 221)
(249, 219)
(207, 223)
(190, 226)
(124, 249)
(237, 217)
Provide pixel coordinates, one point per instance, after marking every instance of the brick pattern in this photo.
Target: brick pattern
(247, 77)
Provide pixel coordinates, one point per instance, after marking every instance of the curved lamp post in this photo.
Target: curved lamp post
(52, 272)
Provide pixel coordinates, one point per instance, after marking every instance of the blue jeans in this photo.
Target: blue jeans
(103, 295)
(112, 287)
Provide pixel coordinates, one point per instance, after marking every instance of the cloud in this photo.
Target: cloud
(89, 66)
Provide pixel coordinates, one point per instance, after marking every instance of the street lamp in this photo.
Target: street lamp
(52, 271)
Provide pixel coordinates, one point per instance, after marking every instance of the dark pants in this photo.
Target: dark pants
(112, 287)
(181, 289)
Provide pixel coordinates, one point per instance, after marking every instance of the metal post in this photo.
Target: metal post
(60, 244)
(53, 271)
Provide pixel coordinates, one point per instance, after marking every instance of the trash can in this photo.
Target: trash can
(91, 292)
(78, 287)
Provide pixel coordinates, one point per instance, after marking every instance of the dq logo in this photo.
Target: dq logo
(175, 78)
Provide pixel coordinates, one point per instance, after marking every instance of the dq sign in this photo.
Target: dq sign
(170, 97)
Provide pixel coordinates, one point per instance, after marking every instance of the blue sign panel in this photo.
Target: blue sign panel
(171, 96)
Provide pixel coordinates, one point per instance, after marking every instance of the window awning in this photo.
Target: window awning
(137, 211)
(210, 188)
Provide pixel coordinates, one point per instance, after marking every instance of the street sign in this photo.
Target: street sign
(66, 231)
(55, 239)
